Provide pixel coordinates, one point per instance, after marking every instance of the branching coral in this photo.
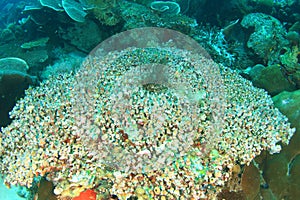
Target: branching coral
(151, 104)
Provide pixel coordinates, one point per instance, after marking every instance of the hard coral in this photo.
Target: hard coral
(146, 121)
(268, 37)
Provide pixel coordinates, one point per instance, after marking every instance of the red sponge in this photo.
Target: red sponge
(86, 195)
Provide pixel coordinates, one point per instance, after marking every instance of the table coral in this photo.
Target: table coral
(168, 8)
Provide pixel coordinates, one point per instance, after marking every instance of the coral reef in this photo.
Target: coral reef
(106, 11)
(280, 171)
(211, 38)
(268, 37)
(23, 42)
(65, 130)
(13, 64)
(136, 16)
(259, 40)
(74, 9)
(53, 4)
(103, 10)
(14, 79)
(291, 65)
(65, 64)
(41, 42)
(289, 104)
(167, 8)
(79, 35)
(269, 78)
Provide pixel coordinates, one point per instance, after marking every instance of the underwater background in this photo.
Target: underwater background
(143, 99)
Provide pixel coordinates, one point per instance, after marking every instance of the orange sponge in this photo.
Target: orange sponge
(86, 195)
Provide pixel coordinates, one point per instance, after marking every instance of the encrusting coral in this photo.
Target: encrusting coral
(98, 129)
(268, 37)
